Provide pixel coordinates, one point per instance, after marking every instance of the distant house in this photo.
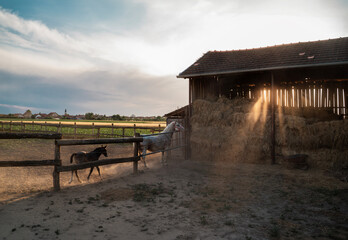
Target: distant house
(53, 115)
(80, 117)
(41, 116)
(18, 115)
(27, 114)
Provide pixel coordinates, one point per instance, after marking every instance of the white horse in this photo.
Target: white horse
(159, 142)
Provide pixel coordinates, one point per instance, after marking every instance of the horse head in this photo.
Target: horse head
(102, 150)
(178, 127)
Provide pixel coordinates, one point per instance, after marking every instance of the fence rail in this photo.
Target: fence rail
(30, 163)
(73, 130)
(57, 162)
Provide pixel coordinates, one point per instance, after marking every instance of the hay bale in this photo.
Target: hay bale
(239, 130)
(296, 161)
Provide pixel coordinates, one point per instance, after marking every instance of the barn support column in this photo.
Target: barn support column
(273, 99)
(188, 114)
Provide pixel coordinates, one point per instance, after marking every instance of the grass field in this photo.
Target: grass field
(82, 129)
(97, 122)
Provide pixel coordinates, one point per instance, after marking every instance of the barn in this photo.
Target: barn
(293, 93)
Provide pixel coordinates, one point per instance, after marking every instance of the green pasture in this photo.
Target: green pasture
(81, 120)
(69, 131)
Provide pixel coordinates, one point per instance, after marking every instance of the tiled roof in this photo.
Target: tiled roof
(177, 112)
(324, 52)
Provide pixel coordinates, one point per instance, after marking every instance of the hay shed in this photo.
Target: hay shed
(307, 80)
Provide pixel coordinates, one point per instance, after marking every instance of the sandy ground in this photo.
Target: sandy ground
(185, 200)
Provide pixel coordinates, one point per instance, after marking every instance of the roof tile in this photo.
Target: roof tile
(279, 56)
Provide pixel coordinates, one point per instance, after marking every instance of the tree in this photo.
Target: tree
(116, 117)
(89, 116)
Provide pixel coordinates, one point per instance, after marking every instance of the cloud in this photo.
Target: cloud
(132, 70)
(19, 108)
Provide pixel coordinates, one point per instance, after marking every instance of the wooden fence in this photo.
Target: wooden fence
(73, 130)
(57, 162)
(59, 142)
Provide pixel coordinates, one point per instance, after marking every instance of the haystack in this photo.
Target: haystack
(240, 130)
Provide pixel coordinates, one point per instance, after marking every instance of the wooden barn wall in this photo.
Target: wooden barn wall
(321, 88)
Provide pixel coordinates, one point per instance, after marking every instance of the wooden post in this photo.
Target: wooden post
(273, 121)
(112, 130)
(98, 132)
(10, 126)
(188, 114)
(340, 100)
(123, 132)
(75, 130)
(56, 184)
(134, 130)
(58, 128)
(135, 151)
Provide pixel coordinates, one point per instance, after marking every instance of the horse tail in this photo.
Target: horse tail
(72, 156)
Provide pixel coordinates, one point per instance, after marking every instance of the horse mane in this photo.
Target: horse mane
(169, 128)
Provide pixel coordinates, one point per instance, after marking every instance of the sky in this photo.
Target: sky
(123, 56)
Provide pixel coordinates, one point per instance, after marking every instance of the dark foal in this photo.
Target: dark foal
(82, 157)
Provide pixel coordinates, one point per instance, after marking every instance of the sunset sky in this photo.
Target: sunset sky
(123, 56)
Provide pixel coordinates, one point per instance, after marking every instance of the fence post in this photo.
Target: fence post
(56, 184)
(112, 130)
(134, 130)
(98, 132)
(123, 132)
(135, 150)
(59, 128)
(75, 130)
(10, 126)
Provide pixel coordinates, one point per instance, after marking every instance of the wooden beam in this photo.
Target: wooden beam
(58, 162)
(67, 142)
(96, 163)
(273, 119)
(31, 163)
(135, 154)
(7, 135)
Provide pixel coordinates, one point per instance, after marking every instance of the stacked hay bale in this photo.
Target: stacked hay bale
(239, 130)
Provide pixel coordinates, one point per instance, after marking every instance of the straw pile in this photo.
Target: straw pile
(240, 130)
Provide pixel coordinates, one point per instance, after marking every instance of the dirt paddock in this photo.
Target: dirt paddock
(189, 199)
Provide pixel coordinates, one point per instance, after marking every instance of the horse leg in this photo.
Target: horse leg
(72, 176)
(77, 176)
(164, 159)
(99, 172)
(90, 172)
(144, 152)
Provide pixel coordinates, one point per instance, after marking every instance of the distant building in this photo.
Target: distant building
(18, 115)
(27, 114)
(53, 115)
